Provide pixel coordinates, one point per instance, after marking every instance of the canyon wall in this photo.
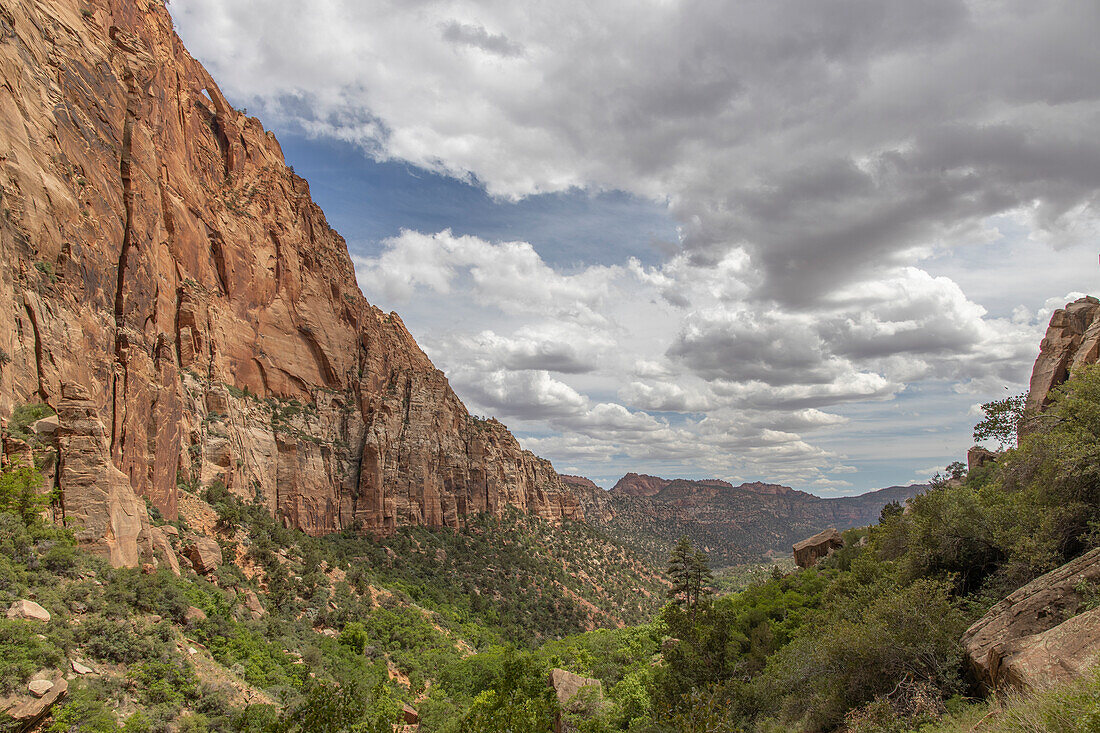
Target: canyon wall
(169, 279)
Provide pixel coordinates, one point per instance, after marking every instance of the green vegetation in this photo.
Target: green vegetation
(468, 624)
(25, 415)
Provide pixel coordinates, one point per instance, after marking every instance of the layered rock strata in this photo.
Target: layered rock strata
(160, 259)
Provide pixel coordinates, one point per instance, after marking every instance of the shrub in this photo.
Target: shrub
(884, 638)
(19, 493)
(22, 653)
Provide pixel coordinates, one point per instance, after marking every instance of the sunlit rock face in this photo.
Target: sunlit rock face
(159, 256)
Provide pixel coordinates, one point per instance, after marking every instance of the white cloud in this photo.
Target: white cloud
(868, 202)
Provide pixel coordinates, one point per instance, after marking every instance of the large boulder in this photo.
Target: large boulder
(28, 610)
(810, 550)
(577, 695)
(204, 553)
(27, 709)
(1038, 634)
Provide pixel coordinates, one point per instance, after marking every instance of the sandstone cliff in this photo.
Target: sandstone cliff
(169, 280)
(1072, 340)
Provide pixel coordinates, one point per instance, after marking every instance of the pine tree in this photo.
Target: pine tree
(689, 573)
(699, 581)
(679, 570)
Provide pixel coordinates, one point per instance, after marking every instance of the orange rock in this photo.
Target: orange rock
(157, 251)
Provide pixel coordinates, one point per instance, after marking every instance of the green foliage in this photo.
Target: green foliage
(1002, 420)
(19, 495)
(354, 636)
(328, 707)
(22, 652)
(689, 576)
(1072, 707)
(85, 711)
(864, 646)
(23, 416)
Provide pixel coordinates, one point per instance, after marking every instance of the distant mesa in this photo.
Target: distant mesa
(733, 524)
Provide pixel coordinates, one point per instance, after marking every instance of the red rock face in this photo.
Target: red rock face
(1072, 340)
(640, 484)
(158, 253)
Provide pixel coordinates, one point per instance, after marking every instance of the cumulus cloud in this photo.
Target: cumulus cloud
(847, 177)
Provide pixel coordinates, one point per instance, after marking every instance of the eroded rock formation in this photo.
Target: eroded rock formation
(1072, 340)
(810, 550)
(1042, 633)
(160, 257)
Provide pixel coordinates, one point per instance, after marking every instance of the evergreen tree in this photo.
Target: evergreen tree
(689, 573)
(679, 572)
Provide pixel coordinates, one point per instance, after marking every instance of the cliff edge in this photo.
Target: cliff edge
(166, 270)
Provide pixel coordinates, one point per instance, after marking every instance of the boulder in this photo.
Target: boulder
(810, 550)
(577, 695)
(27, 710)
(253, 604)
(1061, 654)
(1037, 635)
(195, 615)
(28, 610)
(80, 668)
(46, 429)
(978, 456)
(409, 715)
(204, 553)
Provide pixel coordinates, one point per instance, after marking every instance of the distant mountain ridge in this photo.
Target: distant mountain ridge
(733, 524)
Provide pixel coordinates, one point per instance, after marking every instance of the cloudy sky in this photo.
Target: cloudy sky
(762, 239)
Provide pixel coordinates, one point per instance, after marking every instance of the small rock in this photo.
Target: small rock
(192, 650)
(81, 669)
(28, 610)
(155, 618)
(39, 688)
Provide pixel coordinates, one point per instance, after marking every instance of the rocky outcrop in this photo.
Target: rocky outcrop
(810, 550)
(640, 484)
(158, 253)
(577, 696)
(1038, 635)
(596, 503)
(1072, 340)
(99, 503)
(977, 456)
(27, 709)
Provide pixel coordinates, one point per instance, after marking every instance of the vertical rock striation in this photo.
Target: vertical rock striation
(160, 258)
